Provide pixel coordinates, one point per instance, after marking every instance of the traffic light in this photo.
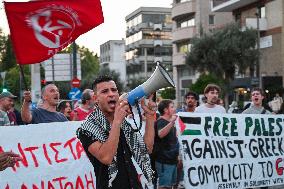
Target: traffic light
(43, 82)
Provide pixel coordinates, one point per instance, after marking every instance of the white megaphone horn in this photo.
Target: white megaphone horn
(158, 80)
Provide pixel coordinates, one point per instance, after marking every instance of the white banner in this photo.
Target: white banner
(232, 150)
(53, 158)
(52, 155)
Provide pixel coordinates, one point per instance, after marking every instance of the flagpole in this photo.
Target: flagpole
(23, 77)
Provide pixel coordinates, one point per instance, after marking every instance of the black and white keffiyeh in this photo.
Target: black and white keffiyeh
(97, 127)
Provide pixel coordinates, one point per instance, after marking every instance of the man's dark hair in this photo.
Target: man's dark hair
(164, 104)
(62, 105)
(100, 79)
(212, 87)
(257, 89)
(191, 93)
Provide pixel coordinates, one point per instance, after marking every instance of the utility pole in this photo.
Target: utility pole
(257, 67)
(74, 48)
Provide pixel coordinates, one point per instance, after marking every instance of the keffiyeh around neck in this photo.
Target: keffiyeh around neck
(98, 127)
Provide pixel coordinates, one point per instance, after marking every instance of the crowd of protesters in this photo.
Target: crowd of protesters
(104, 99)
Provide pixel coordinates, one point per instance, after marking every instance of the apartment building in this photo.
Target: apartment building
(148, 40)
(112, 55)
(267, 16)
(190, 17)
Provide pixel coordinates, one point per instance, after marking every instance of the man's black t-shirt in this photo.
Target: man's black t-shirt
(126, 178)
(166, 149)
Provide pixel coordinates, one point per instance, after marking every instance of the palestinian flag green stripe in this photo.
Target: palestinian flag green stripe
(191, 132)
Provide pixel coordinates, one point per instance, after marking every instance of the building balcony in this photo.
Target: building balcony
(184, 8)
(252, 23)
(180, 34)
(148, 25)
(150, 59)
(230, 5)
(179, 59)
(148, 43)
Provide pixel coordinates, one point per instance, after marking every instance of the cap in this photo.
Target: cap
(7, 94)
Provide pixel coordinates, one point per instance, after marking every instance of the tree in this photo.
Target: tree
(223, 51)
(202, 81)
(12, 80)
(168, 93)
(3, 39)
(8, 57)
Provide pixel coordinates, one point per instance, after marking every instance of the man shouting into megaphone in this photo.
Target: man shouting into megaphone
(110, 141)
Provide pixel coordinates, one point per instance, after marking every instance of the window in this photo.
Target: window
(238, 17)
(261, 11)
(181, 1)
(183, 47)
(186, 23)
(155, 18)
(211, 19)
(134, 22)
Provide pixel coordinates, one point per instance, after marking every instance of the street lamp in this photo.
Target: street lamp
(3, 74)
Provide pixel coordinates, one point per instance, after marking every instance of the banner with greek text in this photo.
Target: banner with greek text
(53, 158)
(231, 150)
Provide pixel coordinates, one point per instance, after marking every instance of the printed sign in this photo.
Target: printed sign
(53, 158)
(231, 150)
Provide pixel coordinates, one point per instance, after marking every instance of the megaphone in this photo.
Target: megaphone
(158, 80)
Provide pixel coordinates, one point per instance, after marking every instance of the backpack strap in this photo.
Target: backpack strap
(263, 111)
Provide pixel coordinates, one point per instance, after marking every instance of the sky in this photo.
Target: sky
(114, 25)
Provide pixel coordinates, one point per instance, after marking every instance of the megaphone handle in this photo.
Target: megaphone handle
(140, 116)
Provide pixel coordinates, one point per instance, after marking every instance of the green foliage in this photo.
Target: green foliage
(204, 80)
(8, 57)
(168, 93)
(3, 40)
(224, 51)
(12, 81)
(64, 88)
(116, 77)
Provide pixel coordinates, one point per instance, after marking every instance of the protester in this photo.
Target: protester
(80, 113)
(256, 106)
(8, 159)
(110, 141)
(166, 147)
(211, 92)
(19, 120)
(47, 112)
(65, 107)
(191, 102)
(6, 101)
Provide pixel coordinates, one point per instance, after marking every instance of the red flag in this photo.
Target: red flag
(39, 29)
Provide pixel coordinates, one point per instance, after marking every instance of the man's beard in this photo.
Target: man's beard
(190, 105)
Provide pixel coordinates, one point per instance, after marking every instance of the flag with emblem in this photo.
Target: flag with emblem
(39, 29)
